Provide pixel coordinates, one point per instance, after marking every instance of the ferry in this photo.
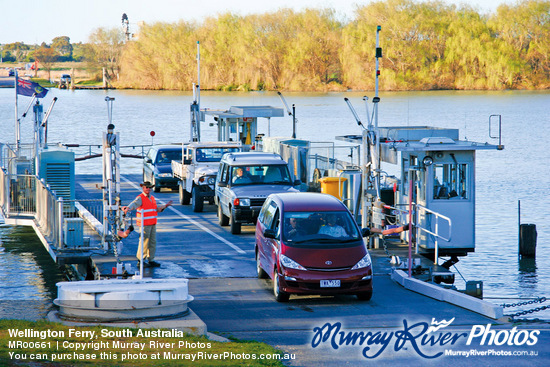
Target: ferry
(83, 228)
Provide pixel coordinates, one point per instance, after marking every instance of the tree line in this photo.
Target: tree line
(426, 45)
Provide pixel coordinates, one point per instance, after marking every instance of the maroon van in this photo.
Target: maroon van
(309, 243)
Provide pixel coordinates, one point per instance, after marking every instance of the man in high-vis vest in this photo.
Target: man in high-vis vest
(146, 202)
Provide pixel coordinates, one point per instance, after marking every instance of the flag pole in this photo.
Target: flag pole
(17, 126)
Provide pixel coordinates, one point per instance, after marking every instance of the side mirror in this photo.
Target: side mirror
(148, 160)
(187, 161)
(222, 184)
(269, 233)
(365, 232)
(297, 182)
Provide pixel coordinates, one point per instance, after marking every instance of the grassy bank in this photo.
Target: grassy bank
(53, 344)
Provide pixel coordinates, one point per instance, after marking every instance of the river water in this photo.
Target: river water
(518, 173)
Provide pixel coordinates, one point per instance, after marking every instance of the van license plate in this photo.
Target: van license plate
(330, 283)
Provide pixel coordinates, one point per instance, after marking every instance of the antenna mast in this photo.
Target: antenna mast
(195, 134)
(375, 100)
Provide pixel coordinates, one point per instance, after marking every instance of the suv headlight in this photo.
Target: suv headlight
(287, 262)
(211, 180)
(363, 263)
(241, 202)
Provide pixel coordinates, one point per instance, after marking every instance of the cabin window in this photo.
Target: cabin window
(406, 166)
(451, 181)
(420, 184)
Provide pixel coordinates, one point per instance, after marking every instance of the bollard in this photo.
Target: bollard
(527, 240)
(474, 288)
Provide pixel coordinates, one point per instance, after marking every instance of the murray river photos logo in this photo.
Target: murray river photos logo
(425, 339)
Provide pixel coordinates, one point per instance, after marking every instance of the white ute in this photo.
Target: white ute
(197, 171)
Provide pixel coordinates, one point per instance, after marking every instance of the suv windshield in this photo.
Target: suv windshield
(261, 174)
(213, 154)
(318, 227)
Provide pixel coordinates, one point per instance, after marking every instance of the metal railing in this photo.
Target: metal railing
(49, 215)
(421, 209)
(27, 197)
(418, 210)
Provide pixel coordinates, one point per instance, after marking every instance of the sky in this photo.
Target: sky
(38, 21)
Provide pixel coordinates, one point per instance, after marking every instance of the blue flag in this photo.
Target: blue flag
(28, 88)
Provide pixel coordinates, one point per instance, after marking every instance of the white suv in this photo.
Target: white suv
(243, 183)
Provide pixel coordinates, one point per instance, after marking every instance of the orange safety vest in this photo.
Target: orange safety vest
(149, 207)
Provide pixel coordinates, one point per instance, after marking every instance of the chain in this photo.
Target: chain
(537, 300)
(383, 240)
(113, 237)
(526, 312)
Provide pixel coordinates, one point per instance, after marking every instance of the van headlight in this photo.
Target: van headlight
(363, 263)
(288, 263)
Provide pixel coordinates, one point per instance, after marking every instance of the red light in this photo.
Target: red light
(253, 147)
(377, 72)
(152, 133)
(236, 202)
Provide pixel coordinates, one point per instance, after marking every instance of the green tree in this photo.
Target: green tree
(413, 39)
(312, 59)
(19, 50)
(524, 31)
(46, 58)
(63, 47)
(104, 50)
(162, 57)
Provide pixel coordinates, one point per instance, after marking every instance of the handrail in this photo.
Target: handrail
(499, 137)
(436, 234)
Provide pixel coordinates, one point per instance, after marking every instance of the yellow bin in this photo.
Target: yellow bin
(333, 186)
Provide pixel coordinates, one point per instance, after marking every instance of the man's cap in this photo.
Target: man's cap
(147, 184)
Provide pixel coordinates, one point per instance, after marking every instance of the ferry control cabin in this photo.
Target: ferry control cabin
(240, 123)
(442, 170)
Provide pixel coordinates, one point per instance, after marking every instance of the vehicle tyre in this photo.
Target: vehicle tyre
(261, 272)
(235, 227)
(315, 186)
(222, 218)
(364, 296)
(280, 296)
(156, 188)
(185, 197)
(198, 201)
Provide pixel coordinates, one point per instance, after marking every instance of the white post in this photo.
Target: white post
(436, 255)
(410, 219)
(60, 221)
(141, 245)
(376, 100)
(17, 126)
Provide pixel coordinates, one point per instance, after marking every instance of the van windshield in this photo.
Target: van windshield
(311, 227)
(261, 174)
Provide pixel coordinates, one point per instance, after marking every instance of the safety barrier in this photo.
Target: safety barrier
(419, 210)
